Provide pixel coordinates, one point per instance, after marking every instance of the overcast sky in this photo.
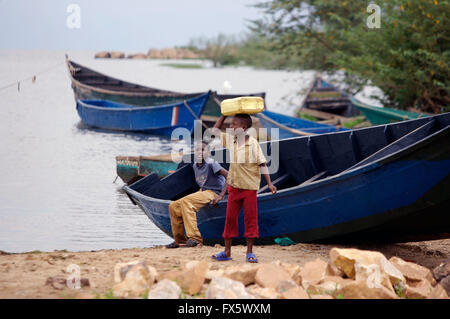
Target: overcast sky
(132, 25)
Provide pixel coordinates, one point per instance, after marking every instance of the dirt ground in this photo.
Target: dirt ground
(24, 275)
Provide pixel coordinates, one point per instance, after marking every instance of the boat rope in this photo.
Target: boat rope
(32, 77)
(195, 115)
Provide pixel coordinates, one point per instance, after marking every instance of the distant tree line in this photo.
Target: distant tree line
(407, 55)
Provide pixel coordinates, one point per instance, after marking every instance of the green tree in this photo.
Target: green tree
(407, 57)
(221, 50)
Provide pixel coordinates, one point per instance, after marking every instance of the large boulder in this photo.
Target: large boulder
(154, 54)
(192, 277)
(442, 271)
(245, 273)
(288, 289)
(295, 293)
(165, 289)
(117, 55)
(263, 293)
(420, 290)
(442, 274)
(313, 272)
(270, 275)
(121, 269)
(438, 293)
(412, 272)
(169, 275)
(293, 270)
(329, 285)
(368, 261)
(225, 288)
(286, 285)
(211, 274)
(374, 276)
(357, 289)
(445, 283)
(103, 55)
(137, 56)
(138, 280)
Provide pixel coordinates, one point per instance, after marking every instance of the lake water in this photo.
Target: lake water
(56, 176)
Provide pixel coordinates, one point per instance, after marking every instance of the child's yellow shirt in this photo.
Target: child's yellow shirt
(245, 159)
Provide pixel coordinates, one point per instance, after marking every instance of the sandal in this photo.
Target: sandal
(173, 245)
(222, 256)
(251, 258)
(192, 243)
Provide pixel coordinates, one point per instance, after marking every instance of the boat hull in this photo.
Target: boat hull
(384, 115)
(374, 200)
(159, 120)
(127, 168)
(132, 168)
(88, 84)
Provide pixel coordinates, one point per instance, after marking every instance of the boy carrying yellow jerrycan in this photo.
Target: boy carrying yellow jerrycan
(247, 163)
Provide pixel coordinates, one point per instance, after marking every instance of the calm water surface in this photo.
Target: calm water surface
(56, 176)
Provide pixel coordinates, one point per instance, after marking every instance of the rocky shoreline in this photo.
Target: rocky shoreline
(166, 53)
(302, 271)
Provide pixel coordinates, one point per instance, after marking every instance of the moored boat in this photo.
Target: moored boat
(88, 84)
(382, 181)
(132, 168)
(158, 120)
(383, 115)
(325, 97)
(290, 126)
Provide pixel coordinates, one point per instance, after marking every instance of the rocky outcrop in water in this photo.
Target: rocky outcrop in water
(166, 53)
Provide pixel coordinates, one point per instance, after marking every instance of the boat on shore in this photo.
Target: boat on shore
(383, 115)
(323, 96)
(88, 84)
(132, 168)
(387, 181)
(157, 120)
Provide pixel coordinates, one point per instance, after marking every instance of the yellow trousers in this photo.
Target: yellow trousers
(184, 212)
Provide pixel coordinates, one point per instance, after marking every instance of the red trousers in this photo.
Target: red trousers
(236, 198)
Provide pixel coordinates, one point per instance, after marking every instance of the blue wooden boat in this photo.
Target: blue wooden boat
(132, 168)
(385, 182)
(293, 126)
(158, 120)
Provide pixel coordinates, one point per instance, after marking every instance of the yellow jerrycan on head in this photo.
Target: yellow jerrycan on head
(242, 105)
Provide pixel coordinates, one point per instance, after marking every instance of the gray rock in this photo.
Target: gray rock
(445, 283)
(442, 271)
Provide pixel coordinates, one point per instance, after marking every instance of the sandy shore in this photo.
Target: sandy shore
(24, 275)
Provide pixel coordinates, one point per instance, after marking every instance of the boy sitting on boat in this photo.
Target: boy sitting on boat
(210, 177)
(247, 162)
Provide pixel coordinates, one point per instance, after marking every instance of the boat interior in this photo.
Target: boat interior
(93, 78)
(324, 96)
(303, 160)
(99, 80)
